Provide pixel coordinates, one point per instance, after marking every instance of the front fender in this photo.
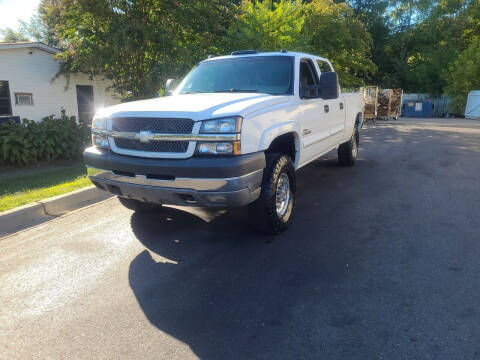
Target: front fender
(277, 130)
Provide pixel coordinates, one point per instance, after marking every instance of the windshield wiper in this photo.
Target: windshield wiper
(237, 90)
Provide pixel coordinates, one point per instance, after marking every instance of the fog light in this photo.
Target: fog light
(216, 198)
(219, 148)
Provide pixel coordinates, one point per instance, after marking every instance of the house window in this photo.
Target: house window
(23, 99)
(5, 104)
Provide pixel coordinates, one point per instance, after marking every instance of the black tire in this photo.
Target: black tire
(348, 151)
(138, 206)
(263, 212)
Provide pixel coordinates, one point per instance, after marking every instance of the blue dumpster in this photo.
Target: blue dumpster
(417, 108)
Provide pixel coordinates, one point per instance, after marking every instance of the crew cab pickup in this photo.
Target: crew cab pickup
(232, 133)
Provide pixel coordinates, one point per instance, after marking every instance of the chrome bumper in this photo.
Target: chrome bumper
(222, 192)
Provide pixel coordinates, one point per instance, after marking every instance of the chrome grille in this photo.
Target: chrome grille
(152, 146)
(155, 125)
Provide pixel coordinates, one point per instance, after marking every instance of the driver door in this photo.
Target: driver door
(314, 115)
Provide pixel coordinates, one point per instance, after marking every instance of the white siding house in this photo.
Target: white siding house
(28, 88)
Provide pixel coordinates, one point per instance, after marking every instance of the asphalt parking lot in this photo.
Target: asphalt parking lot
(382, 262)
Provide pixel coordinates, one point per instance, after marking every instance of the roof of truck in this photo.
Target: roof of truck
(275, 53)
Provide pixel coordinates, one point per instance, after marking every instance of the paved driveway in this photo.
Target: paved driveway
(381, 262)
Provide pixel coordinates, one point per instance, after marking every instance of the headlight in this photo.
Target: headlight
(99, 127)
(229, 125)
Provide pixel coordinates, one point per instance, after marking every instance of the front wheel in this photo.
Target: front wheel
(272, 212)
(348, 151)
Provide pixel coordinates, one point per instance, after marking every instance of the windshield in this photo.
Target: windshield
(263, 74)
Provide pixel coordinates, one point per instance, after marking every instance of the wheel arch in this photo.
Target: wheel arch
(282, 139)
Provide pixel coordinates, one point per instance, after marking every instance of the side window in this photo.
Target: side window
(324, 67)
(307, 74)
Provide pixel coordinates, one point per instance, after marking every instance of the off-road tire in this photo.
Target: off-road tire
(263, 212)
(138, 206)
(348, 151)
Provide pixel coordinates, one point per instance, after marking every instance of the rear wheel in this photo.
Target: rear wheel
(272, 212)
(348, 151)
(138, 206)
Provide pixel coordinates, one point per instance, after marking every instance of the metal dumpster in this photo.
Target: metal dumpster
(417, 108)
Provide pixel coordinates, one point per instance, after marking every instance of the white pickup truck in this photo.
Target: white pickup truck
(232, 133)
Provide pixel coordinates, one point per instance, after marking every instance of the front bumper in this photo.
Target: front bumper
(234, 181)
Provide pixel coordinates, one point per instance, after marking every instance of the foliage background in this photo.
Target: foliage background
(52, 139)
(421, 46)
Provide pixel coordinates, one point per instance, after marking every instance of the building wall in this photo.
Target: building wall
(32, 71)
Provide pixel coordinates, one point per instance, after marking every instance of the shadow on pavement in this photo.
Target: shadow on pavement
(228, 292)
(339, 281)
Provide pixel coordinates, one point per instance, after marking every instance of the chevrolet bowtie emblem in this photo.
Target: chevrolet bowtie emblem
(144, 136)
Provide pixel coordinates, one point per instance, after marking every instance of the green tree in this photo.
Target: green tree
(321, 27)
(267, 26)
(373, 14)
(36, 29)
(136, 44)
(463, 75)
(10, 35)
(431, 44)
(332, 30)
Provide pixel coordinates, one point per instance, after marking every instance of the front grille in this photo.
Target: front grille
(155, 125)
(152, 146)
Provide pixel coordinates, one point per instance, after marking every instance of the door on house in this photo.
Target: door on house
(5, 103)
(86, 105)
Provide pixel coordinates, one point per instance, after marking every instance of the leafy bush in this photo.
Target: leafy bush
(462, 76)
(52, 139)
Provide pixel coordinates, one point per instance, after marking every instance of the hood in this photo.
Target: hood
(195, 106)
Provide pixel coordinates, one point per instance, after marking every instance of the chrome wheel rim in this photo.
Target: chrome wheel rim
(282, 198)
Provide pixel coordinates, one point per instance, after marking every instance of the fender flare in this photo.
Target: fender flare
(277, 130)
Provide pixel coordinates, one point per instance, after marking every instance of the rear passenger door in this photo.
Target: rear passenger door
(315, 113)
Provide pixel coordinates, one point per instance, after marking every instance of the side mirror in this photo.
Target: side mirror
(169, 87)
(328, 87)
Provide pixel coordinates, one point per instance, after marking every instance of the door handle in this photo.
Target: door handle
(326, 108)
(341, 106)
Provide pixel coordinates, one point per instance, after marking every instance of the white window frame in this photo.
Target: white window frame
(18, 95)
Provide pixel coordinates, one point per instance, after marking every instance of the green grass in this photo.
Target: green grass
(21, 188)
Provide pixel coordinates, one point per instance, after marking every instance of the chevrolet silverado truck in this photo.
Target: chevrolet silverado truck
(232, 133)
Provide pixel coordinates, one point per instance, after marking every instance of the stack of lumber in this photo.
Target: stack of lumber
(389, 102)
(369, 110)
(383, 108)
(370, 101)
(396, 102)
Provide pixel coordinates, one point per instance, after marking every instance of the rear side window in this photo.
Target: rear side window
(323, 66)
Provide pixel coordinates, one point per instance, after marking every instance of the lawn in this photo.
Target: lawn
(23, 187)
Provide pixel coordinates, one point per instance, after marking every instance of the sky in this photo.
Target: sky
(13, 10)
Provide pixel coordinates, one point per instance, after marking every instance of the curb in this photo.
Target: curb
(26, 216)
